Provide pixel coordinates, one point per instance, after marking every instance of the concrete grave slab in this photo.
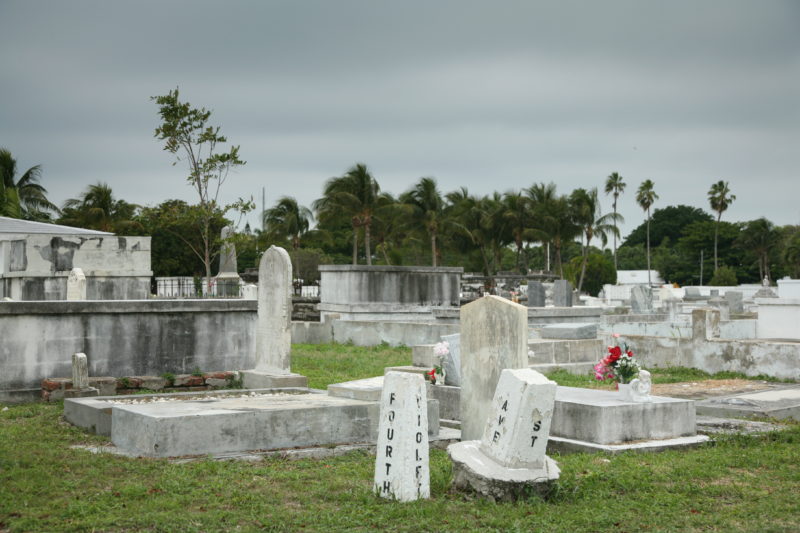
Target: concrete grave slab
(570, 331)
(230, 424)
(777, 403)
(600, 417)
(368, 390)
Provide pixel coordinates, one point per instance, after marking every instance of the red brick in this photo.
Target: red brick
(51, 384)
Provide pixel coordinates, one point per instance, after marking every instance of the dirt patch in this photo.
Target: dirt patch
(695, 390)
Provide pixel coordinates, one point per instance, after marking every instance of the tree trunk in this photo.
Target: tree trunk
(366, 244)
(716, 237)
(433, 248)
(583, 266)
(355, 245)
(558, 265)
(615, 232)
(649, 281)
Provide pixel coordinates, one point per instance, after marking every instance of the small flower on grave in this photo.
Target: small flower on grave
(431, 375)
(441, 348)
(619, 365)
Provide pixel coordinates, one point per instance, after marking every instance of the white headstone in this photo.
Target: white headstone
(641, 300)
(80, 371)
(402, 470)
(227, 256)
(250, 292)
(494, 336)
(273, 329)
(76, 285)
(451, 363)
(519, 423)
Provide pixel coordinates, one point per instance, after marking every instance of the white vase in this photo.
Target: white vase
(625, 392)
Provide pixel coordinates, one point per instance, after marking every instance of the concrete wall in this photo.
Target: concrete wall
(705, 350)
(778, 318)
(358, 292)
(36, 266)
(141, 337)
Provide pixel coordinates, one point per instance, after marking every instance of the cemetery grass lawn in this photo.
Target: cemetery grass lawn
(737, 484)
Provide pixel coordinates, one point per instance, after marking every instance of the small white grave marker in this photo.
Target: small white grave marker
(76, 285)
(80, 371)
(402, 470)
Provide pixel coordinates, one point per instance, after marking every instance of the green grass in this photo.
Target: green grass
(674, 374)
(738, 484)
(324, 364)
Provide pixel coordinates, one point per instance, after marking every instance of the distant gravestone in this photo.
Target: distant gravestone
(641, 300)
(451, 363)
(80, 371)
(536, 294)
(76, 285)
(735, 301)
(80, 378)
(562, 293)
(402, 469)
(723, 306)
(494, 336)
(511, 456)
(250, 292)
(227, 279)
(273, 325)
(714, 293)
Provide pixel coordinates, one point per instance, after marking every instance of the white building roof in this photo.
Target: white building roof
(636, 277)
(18, 226)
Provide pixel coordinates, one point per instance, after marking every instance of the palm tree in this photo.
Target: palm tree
(98, 209)
(615, 186)
(539, 196)
(427, 210)
(646, 197)
(720, 197)
(586, 213)
(22, 198)
(554, 219)
(760, 237)
(517, 212)
(356, 195)
(791, 254)
(288, 220)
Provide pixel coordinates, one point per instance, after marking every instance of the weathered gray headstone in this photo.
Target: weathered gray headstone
(227, 256)
(714, 293)
(227, 279)
(402, 469)
(452, 362)
(510, 457)
(723, 306)
(76, 285)
(562, 293)
(273, 324)
(494, 337)
(536, 294)
(735, 301)
(641, 300)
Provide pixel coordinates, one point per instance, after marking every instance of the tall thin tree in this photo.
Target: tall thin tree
(427, 210)
(720, 197)
(615, 186)
(646, 197)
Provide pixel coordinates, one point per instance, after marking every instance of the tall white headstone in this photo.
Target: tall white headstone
(274, 325)
(227, 278)
(494, 336)
(402, 470)
(76, 285)
(510, 458)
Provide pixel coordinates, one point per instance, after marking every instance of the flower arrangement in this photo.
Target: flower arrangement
(441, 350)
(619, 365)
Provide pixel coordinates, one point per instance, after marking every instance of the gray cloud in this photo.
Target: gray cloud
(491, 96)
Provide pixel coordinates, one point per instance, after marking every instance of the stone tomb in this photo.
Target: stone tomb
(510, 459)
(252, 420)
(587, 420)
(273, 326)
(402, 470)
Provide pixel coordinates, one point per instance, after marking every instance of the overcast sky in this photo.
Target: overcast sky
(486, 95)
